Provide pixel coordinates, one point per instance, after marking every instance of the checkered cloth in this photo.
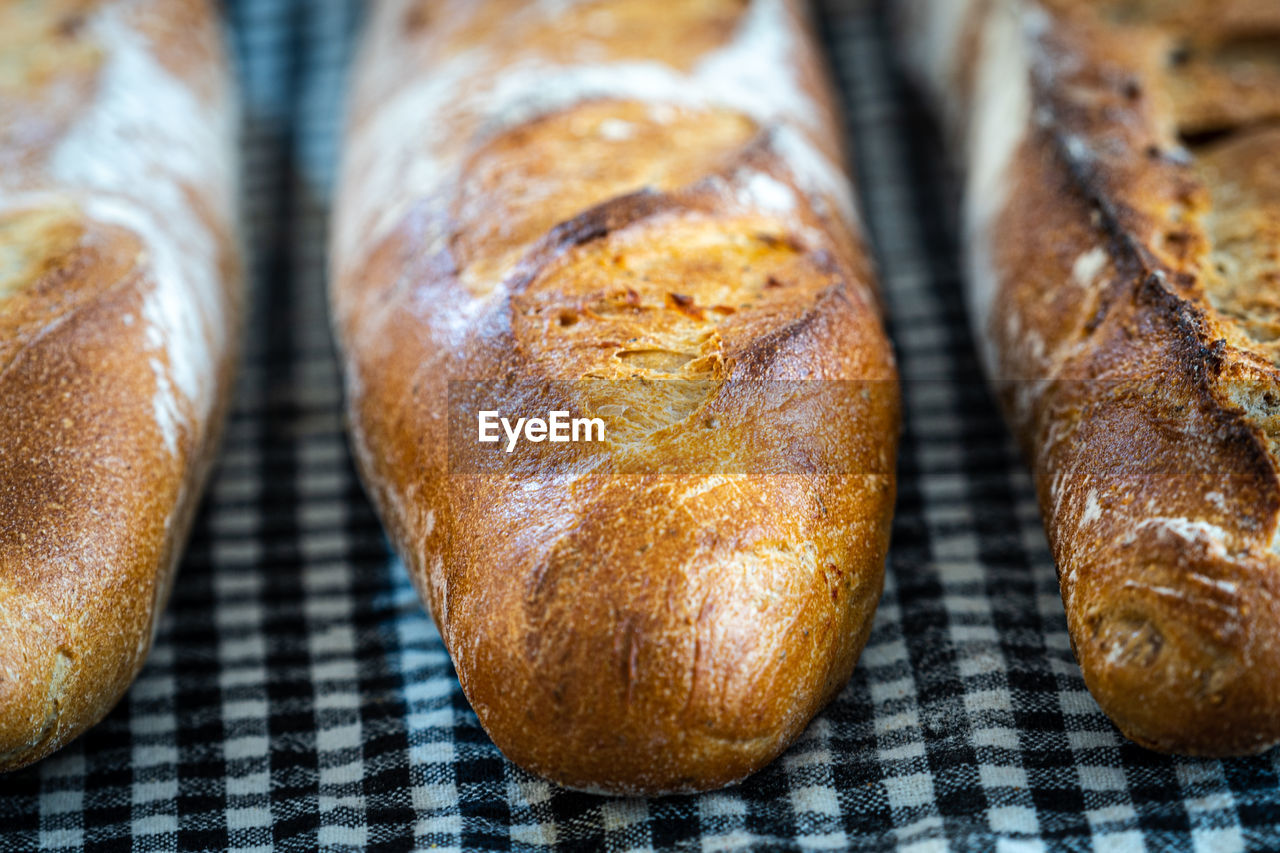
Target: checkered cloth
(299, 697)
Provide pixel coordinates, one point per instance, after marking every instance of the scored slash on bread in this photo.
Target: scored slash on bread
(594, 199)
(119, 306)
(1122, 219)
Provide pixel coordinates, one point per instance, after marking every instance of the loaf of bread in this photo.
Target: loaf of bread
(119, 306)
(1122, 226)
(638, 211)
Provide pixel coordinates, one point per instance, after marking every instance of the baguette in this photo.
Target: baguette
(1122, 221)
(643, 206)
(119, 300)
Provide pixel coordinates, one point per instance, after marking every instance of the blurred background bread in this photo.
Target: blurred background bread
(119, 310)
(1123, 233)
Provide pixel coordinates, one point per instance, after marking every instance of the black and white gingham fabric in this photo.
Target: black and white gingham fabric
(299, 697)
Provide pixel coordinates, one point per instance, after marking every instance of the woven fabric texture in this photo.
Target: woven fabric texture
(298, 696)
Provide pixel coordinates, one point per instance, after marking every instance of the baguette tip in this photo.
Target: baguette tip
(1186, 674)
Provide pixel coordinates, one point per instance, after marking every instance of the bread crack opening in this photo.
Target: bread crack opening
(646, 323)
(1242, 271)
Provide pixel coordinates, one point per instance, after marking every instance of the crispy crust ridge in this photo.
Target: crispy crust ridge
(1141, 404)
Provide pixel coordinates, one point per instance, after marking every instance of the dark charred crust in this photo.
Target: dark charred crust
(624, 211)
(1127, 251)
(606, 218)
(1155, 287)
(590, 225)
(1153, 292)
(757, 360)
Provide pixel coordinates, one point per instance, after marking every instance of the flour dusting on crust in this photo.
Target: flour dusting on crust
(129, 161)
(406, 153)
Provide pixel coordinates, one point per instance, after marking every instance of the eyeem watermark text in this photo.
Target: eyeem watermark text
(557, 427)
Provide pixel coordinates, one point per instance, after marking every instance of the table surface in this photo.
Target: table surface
(298, 696)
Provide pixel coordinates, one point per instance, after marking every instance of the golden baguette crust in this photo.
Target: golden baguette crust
(119, 306)
(617, 192)
(1122, 211)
